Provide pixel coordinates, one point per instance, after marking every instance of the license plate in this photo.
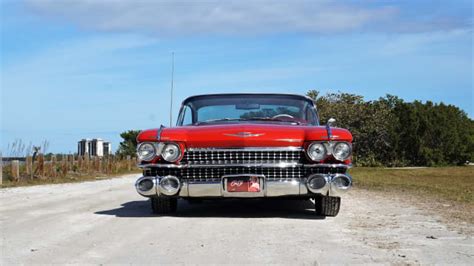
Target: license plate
(243, 184)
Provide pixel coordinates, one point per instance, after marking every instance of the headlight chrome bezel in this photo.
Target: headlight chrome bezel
(325, 151)
(177, 154)
(349, 149)
(149, 156)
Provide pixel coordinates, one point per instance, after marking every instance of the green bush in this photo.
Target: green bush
(129, 144)
(392, 132)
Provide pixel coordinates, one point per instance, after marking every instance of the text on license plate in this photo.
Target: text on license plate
(243, 184)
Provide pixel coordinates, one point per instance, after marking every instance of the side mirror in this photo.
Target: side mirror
(331, 122)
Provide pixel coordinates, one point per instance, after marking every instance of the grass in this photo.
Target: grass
(455, 184)
(70, 178)
(68, 169)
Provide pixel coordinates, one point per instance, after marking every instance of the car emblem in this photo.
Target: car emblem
(245, 134)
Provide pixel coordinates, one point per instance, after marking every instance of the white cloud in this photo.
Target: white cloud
(227, 17)
(410, 43)
(70, 77)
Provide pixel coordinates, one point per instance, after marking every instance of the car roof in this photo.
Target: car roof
(298, 96)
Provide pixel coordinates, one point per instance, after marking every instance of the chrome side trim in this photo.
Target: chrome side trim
(249, 149)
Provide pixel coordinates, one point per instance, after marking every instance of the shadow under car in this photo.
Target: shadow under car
(224, 208)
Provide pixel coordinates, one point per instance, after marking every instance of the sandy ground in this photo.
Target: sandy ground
(106, 222)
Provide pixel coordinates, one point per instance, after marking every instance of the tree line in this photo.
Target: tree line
(392, 132)
(388, 131)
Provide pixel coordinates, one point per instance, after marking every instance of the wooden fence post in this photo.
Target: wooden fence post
(86, 162)
(32, 167)
(70, 161)
(28, 162)
(54, 166)
(129, 163)
(1, 169)
(16, 170)
(105, 164)
(67, 163)
(109, 165)
(63, 165)
(79, 162)
(74, 163)
(97, 163)
(40, 166)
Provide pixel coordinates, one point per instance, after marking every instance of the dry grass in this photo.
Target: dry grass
(68, 171)
(447, 191)
(70, 178)
(448, 183)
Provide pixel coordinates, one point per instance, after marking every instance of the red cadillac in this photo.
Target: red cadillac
(245, 146)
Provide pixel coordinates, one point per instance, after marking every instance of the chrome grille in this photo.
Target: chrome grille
(215, 174)
(245, 156)
(325, 170)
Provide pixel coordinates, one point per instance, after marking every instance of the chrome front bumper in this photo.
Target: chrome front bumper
(297, 187)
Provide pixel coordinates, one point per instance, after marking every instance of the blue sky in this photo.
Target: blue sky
(75, 69)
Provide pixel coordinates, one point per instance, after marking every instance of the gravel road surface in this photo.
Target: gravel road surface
(106, 222)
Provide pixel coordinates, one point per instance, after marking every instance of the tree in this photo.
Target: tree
(129, 144)
(369, 122)
(392, 132)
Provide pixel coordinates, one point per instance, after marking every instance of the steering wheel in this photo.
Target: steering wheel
(283, 115)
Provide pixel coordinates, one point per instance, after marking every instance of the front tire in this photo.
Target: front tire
(164, 205)
(327, 206)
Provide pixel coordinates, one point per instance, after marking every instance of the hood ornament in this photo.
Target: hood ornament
(245, 134)
(331, 122)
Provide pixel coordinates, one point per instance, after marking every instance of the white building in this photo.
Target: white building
(94, 147)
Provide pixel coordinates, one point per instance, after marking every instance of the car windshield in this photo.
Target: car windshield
(239, 108)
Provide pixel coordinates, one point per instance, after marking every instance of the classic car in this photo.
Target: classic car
(245, 146)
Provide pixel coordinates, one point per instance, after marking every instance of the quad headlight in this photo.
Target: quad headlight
(146, 151)
(342, 151)
(171, 152)
(317, 151)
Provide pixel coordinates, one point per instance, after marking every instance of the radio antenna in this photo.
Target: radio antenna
(172, 87)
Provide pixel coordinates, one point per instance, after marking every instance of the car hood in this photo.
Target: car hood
(243, 135)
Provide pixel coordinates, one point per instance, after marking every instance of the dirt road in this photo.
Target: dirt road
(106, 222)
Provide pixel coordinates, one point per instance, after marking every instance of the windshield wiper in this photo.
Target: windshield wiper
(246, 119)
(270, 119)
(217, 120)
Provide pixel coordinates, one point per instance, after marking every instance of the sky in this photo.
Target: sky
(91, 69)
